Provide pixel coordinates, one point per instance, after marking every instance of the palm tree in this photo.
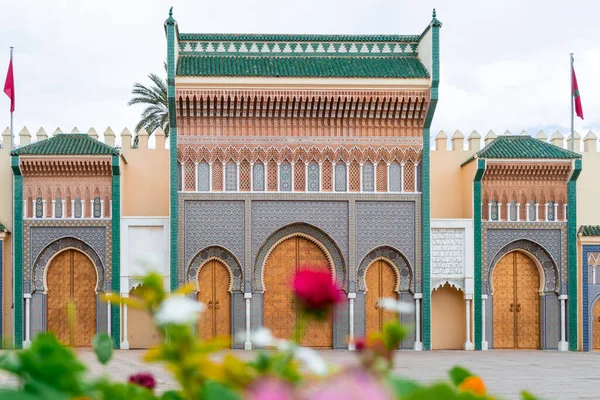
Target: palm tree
(154, 97)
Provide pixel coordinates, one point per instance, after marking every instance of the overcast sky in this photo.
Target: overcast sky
(504, 64)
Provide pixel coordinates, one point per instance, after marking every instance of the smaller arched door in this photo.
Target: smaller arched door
(213, 291)
(596, 327)
(516, 303)
(380, 281)
(448, 318)
(71, 279)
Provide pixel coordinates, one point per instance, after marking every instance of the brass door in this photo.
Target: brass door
(71, 277)
(280, 311)
(516, 304)
(380, 282)
(596, 327)
(213, 291)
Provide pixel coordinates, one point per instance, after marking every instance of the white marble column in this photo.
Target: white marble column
(418, 342)
(101, 208)
(563, 345)
(72, 208)
(565, 212)
(468, 342)
(53, 208)
(27, 341)
(489, 211)
(518, 211)
(108, 319)
(351, 345)
(248, 342)
(484, 343)
(125, 342)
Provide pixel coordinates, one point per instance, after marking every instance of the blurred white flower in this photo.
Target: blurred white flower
(263, 337)
(178, 310)
(400, 307)
(311, 360)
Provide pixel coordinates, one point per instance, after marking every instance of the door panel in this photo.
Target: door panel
(504, 303)
(59, 295)
(596, 327)
(380, 282)
(71, 277)
(280, 311)
(528, 303)
(213, 291)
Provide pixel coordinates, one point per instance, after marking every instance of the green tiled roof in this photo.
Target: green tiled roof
(522, 147)
(297, 66)
(67, 144)
(589, 230)
(297, 37)
(3, 228)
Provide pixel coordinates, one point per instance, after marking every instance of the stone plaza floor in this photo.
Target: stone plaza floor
(548, 374)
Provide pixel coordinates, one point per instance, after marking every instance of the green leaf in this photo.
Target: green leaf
(171, 395)
(15, 395)
(216, 391)
(525, 395)
(402, 387)
(459, 374)
(103, 347)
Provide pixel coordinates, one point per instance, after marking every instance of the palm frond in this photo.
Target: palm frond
(155, 98)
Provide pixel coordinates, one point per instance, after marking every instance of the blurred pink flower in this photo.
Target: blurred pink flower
(270, 389)
(351, 385)
(144, 379)
(315, 290)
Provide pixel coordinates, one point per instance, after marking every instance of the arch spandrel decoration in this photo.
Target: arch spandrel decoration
(551, 275)
(56, 247)
(309, 232)
(221, 254)
(396, 259)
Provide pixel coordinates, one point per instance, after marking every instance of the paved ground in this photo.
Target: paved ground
(550, 375)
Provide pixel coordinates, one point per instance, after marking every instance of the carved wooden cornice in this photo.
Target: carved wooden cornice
(527, 171)
(66, 167)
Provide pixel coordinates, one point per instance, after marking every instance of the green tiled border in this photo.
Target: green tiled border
(115, 314)
(18, 252)
(170, 26)
(477, 251)
(426, 185)
(572, 253)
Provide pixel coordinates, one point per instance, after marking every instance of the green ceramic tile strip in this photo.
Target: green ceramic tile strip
(572, 254)
(116, 249)
(477, 252)
(18, 253)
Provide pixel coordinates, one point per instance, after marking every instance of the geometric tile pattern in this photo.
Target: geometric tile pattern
(222, 254)
(402, 270)
(383, 223)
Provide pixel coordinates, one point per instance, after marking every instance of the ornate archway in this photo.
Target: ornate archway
(222, 255)
(551, 277)
(50, 251)
(313, 234)
(401, 267)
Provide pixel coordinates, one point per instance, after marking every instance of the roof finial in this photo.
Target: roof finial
(433, 15)
(171, 11)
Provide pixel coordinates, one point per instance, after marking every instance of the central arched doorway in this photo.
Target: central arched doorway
(280, 311)
(448, 318)
(213, 291)
(71, 278)
(380, 281)
(516, 303)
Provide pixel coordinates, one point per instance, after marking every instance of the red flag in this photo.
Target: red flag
(576, 97)
(9, 86)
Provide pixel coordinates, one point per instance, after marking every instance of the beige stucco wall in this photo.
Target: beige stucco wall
(448, 319)
(6, 220)
(588, 190)
(145, 178)
(451, 184)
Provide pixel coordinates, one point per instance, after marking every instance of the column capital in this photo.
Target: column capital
(26, 295)
(351, 295)
(484, 297)
(247, 295)
(468, 296)
(418, 296)
(563, 297)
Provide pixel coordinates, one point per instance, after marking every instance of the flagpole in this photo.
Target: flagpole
(572, 100)
(12, 211)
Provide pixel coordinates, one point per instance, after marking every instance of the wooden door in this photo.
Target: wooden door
(516, 304)
(596, 327)
(527, 302)
(71, 277)
(280, 311)
(380, 282)
(213, 291)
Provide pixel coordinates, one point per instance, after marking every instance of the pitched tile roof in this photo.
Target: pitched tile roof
(67, 144)
(589, 230)
(230, 37)
(300, 66)
(522, 147)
